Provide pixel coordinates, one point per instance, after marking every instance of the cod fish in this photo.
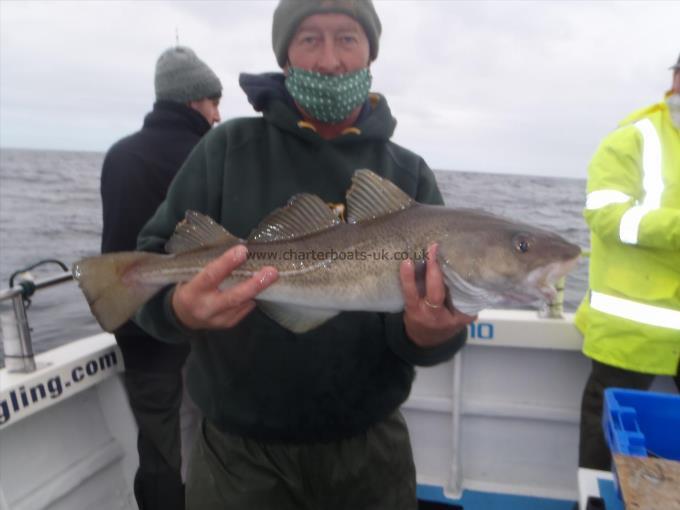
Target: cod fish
(328, 265)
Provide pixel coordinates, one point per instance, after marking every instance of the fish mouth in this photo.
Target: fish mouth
(541, 283)
(545, 279)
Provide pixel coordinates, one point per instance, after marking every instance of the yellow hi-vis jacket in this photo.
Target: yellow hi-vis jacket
(630, 316)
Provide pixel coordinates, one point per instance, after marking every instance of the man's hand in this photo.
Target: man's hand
(427, 319)
(200, 304)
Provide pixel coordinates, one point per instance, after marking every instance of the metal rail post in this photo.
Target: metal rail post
(16, 336)
(15, 332)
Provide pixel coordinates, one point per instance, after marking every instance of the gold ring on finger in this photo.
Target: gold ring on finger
(430, 305)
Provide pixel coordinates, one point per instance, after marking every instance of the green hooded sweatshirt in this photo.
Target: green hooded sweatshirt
(258, 379)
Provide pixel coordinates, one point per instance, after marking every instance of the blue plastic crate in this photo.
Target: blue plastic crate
(642, 423)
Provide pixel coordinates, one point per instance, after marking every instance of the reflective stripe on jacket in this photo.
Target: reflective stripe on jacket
(631, 315)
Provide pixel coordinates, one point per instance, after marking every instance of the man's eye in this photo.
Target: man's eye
(308, 40)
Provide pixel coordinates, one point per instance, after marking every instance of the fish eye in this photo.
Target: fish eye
(522, 243)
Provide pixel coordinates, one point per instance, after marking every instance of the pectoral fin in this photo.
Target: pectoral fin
(298, 319)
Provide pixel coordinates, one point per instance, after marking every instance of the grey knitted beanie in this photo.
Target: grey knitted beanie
(677, 64)
(181, 77)
(289, 14)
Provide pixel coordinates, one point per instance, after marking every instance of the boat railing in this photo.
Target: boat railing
(15, 332)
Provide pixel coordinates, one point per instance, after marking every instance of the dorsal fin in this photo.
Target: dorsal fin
(371, 196)
(303, 215)
(196, 231)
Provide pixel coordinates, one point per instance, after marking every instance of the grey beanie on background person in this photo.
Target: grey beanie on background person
(289, 14)
(182, 77)
(677, 65)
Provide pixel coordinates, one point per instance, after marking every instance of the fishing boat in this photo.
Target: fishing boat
(496, 427)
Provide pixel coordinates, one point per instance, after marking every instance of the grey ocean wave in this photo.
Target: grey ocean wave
(50, 208)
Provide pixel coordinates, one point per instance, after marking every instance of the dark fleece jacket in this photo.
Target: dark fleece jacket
(136, 174)
(258, 379)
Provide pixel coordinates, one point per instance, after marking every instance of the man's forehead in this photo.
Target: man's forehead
(333, 20)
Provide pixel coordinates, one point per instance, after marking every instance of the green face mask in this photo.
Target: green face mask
(326, 97)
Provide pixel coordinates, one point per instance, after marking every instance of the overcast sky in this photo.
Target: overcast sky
(517, 87)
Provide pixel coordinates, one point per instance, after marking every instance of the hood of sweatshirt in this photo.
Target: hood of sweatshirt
(267, 93)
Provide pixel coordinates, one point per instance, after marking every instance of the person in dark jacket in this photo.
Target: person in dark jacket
(300, 420)
(136, 174)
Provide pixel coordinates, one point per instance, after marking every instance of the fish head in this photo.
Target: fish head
(486, 259)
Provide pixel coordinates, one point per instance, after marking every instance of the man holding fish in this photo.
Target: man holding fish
(317, 425)
(300, 364)
(309, 420)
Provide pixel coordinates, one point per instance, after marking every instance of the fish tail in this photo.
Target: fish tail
(112, 292)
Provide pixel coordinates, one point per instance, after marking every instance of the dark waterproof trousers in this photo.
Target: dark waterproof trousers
(154, 390)
(371, 471)
(593, 450)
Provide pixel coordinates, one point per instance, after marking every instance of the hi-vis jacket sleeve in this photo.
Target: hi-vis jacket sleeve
(616, 209)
